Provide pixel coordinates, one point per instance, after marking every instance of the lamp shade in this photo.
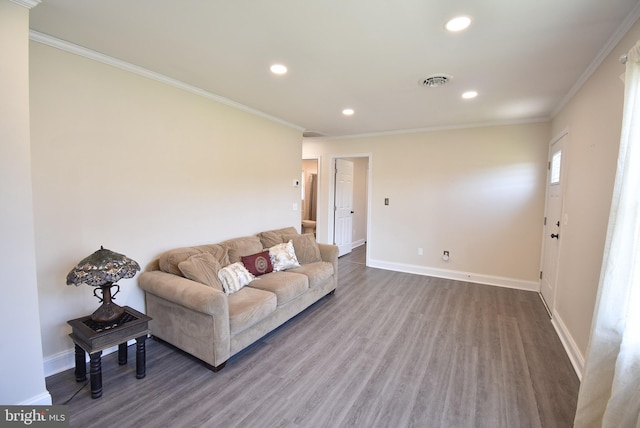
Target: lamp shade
(101, 270)
(102, 267)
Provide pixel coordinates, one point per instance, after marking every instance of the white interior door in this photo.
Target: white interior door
(343, 206)
(553, 224)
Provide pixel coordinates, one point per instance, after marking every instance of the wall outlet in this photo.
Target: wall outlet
(445, 256)
(420, 251)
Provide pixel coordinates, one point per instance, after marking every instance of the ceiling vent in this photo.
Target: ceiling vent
(435, 80)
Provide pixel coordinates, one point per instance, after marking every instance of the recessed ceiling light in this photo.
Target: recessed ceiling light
(458, 23)
(469, 94)
(278, 69)
(348, 111)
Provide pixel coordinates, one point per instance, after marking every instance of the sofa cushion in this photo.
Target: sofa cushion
(306, 247)
(316, 272)
(248, 307)
(258, 264)
(234, 277)
(274, 237)
(168, 261)
(286, 285)
(244, 246)
(202, 268)
(283, 256)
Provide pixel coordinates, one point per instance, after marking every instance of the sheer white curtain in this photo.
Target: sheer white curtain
(610, 390)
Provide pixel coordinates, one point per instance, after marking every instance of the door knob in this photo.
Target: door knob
(555, 235)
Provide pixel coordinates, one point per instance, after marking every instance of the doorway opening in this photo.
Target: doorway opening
(349, 214)
(309, 196)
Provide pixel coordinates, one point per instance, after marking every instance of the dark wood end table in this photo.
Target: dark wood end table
(92, 338)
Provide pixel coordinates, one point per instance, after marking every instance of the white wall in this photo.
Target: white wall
(478, 193)
(21, 365)
(593, 118)
(141, 167)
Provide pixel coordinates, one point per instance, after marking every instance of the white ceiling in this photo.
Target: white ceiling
(524, 57)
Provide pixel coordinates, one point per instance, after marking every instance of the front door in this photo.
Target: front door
(553, 223)
(343, 206)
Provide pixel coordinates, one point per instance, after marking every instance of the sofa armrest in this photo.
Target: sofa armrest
(184, 292)
(329, 253)
(189, 315)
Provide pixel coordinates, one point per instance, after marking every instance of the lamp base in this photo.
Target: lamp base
(107, 312)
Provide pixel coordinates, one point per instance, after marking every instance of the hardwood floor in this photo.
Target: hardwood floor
(388, 350)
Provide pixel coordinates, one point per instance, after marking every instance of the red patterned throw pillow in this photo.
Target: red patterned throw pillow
(258, 264)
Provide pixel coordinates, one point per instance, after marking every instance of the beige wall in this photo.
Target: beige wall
(478, 193)
(140, 167)
(593, 118)
(21, 368)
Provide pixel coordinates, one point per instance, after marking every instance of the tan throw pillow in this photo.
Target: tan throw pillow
(243, 246)
(283, 257)
(170, 260)
(202, 268)
(274, 237)
(234, 277)
(306, 248)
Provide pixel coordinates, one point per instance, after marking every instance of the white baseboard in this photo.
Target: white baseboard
(59, 362)
(43, 399)
(477, 278)
(66, 360)
(358, 243)
(574, 354)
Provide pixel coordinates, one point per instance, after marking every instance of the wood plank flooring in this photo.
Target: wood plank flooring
(388, 350)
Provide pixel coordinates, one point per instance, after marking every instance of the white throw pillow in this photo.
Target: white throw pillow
(234, 277)
(283, 256)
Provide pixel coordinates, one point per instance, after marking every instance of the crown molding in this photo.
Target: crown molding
(613, 41)
(123, 65)
(26, 3)
(474, 125)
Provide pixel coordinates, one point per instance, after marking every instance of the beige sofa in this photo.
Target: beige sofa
(192, 311)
